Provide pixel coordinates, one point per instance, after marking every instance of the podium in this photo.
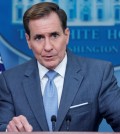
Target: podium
(60, 132)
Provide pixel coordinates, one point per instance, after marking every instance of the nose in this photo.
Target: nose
(48, 45)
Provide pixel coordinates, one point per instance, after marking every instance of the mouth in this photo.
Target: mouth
(48, 58)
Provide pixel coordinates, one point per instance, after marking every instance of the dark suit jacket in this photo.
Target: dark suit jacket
(90, 93)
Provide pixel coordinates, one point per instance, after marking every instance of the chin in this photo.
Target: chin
(50, 65)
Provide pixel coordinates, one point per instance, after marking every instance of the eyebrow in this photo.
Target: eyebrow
(37, 35)
(55, 32)
(42, 35)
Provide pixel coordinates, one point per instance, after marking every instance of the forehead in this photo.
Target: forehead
(49, 23)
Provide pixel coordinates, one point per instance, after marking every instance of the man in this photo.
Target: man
(87, 89)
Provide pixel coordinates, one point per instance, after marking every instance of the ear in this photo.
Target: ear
(67, 33)
(28, 40)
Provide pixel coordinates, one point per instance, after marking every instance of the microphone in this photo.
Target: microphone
(68, 120)
(53, 120)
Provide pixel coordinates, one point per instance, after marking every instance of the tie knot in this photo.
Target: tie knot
(51, 74)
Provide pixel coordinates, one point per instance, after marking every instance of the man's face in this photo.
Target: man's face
(47, 40)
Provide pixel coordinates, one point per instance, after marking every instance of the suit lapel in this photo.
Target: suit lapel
(31, 85)
(73, 79)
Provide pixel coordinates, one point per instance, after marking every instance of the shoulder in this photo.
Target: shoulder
(20, 69)
(87, 63)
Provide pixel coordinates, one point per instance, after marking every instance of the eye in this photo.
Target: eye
(54, 35)
(38, 37)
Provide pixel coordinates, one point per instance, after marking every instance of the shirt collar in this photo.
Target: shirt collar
(60, 69)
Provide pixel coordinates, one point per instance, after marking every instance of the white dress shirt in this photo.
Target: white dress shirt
(59, 80)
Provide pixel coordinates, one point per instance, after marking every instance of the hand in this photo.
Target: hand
(19, 124)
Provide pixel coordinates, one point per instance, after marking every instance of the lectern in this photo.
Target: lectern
(60, 132)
